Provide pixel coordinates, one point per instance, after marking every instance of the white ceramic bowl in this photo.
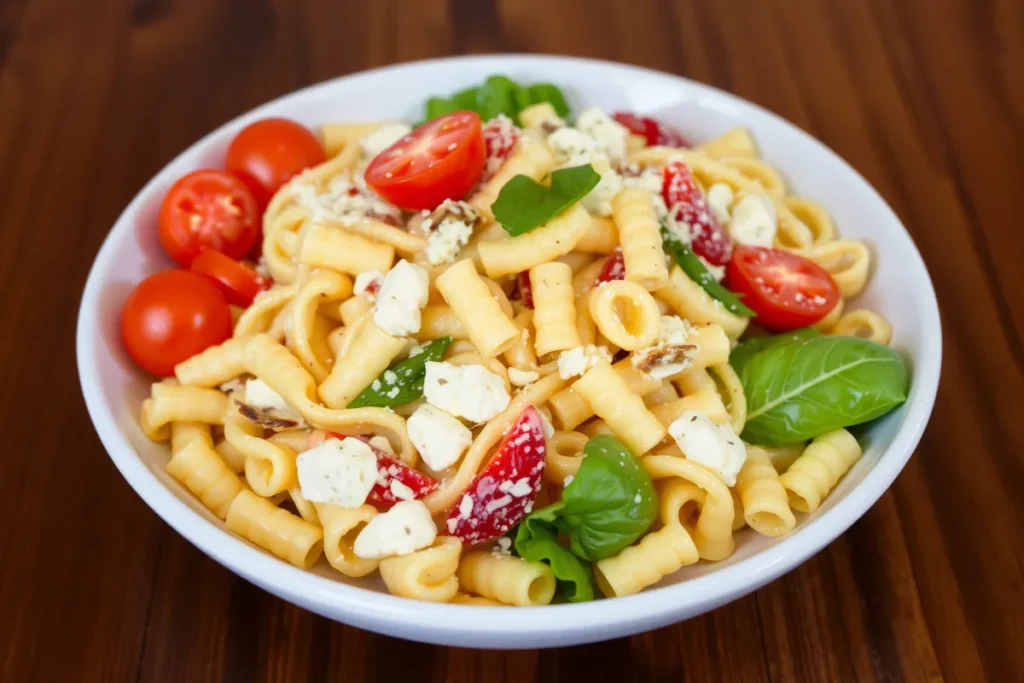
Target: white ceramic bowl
(900, 290)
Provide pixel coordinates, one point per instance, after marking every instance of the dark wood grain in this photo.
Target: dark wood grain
(923, 97)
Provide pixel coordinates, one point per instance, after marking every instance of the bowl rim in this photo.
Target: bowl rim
(460, 624)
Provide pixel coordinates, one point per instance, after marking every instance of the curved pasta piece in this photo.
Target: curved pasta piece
(760, 172)
(475, 600)
(507, 579)
(184, 433)
(452, 488)
(564, 456)
(471, 300)
(706, 401)
(556, 238)
(215, 365)
(404, 242)
(370, 350)
(624, 412)
(341, 526)
(688, 300)
(712, 532)
(625, 313)
(521, 354)
(281, 242)
(570, 410)
(318, 177)
(865, 324)
(554, 316)
(325, 246)
(848, 261)
(826, 324)
(198, 467)
(666, 393)
(657, 555)
(339, 136)
(178, 403)
(258, 318)
(427, 574)
(765, 504)
(278, 531)
(269, 468)
(819, 469)
(303, 339)
(814, 216)
(731, 391)
(735, 142)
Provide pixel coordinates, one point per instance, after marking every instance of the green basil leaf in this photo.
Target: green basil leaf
(609, 503)
(407, 384)
(437, 106)
(535, 540)
(524, 204)
(497, 96)
(545, 92)
(696, 271)
(799, 390)
(750, 347)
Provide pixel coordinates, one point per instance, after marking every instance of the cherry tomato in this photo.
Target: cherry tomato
(614, 268)
(171, 316)
(268, 153)
(208, 210)
(653, 130)
(786, 290)
(689, 207)
(442, 159)
(238, 282)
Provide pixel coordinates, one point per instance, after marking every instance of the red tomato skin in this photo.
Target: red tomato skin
(614, 268)
(525, 288)
(520, 457)
(781, 311)
(268, 153)
(171, 316)
(239, 283)
(228, 220)
(428, 183)
(654, 131)
(688, 206)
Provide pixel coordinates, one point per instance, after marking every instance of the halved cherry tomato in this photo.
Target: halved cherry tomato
(689, 207)
(786, 290)
(442, 159)
(653, 130)
(239, 283)
(268, 153)
(614, 268)
(171, 316)
(208, 210)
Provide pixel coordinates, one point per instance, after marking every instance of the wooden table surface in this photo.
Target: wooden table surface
(924, 97)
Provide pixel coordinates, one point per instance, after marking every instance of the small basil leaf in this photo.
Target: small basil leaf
(695, 270)
(609, 503)
(799, 390)
(545, 92)
(750, 347)
(497, 96)
(535, 540)
(408, 379)
(524, 204)
(437, 106)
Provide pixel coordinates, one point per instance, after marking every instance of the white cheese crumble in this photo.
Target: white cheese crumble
(599, 200)
(521, 378)
(382, 138)
(609, 134)
(577, 360)
(465, 506)
(258, 394)
(471, 392)
(451, 226)
(568, 480)
(400, 490)
(648, 178)
(339, 472)
(662, 359)
(439, 437)
(572, 147)
(720, 197)
(347, 200)
(754, 221)
(402, 530)
(367, 284)
(716, 447)
(503, 546)
(403, 292)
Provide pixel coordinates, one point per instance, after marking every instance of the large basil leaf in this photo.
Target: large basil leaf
(609, 503)
(751, 346)
(799, 390)
(535, 540)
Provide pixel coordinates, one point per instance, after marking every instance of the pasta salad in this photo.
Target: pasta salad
(511, 354)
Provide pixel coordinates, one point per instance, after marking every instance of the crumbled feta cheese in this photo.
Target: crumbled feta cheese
(340, 472)
(648, 178)
(382, 138)
(578, 360)
(346, 200)
(717, 272)
(720, 197)
(404, 529)
(572, 147)
(469, 391)
(381, 443)
(400, 490)
(609, 134)
(258, 394)
(403, 292)
(716, 447)
(445, 242)
(599, 200)
(754, 221)
(503, 546)
(368, 284)
(521, 378)
(465, 506)
(415, 349)
(568, 480)
(439, 437)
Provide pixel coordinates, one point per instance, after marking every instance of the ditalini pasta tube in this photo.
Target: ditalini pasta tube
(623, 411)
(571, 410)
(369, 354)
(272, 528)
(490, 330)
(555, 238)
(639, 232)
(344, 252)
